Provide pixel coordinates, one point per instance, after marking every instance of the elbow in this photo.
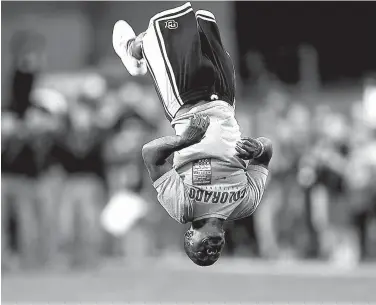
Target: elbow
(150, 154)
(146, 153)
(265, 141)
(268, 146)
(268, 150)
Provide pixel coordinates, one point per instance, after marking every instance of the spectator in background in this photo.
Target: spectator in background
(259, 78)
(360, 176)
(275, 198)
(124, 165)
(18, 196)
(123, 162)
(83, 194)
(19, 164)
(46, 121)
(27, 48)
(296, 141)
(326, 163)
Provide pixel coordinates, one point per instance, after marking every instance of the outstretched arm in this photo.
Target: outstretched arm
(156, 153)
(259, 150)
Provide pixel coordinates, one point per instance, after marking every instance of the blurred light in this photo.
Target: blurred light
(94, 86)
(369, 104)
(122, 212)
(50, 99)
(8, 123)
(336, 126)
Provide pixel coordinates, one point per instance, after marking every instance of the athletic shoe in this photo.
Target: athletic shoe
(121, 36)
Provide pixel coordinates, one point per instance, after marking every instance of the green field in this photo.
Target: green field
(177, 281)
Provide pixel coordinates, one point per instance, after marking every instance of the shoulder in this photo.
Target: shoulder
(172, 195)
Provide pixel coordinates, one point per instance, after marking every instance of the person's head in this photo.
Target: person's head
(28, 48)
(204, 241)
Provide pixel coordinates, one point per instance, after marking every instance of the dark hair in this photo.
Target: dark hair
(209, 248)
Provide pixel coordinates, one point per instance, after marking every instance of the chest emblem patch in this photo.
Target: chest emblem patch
(202, 172)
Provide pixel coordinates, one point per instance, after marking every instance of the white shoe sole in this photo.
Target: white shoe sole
(121, 34)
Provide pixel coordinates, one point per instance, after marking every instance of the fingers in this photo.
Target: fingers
(244, 157)
(194, 120)
(243, 146)
(249, 144)
(245, 138)
(200, 120)
(244, 149)
(241, 152)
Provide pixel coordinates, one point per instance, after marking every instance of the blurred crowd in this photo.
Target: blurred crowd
(320, 201)
(70, 143)
(74, 188)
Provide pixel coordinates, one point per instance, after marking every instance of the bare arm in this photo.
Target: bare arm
(259, 151)
(156, 153)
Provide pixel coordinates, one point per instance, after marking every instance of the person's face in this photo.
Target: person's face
(205, 246)
(31, 59)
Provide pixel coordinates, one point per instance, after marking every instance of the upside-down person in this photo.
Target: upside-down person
(216, 174)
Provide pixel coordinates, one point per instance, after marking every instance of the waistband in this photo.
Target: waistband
(203, 93)
(208, 105)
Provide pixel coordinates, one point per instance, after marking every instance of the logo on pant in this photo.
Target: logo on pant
(171, 24)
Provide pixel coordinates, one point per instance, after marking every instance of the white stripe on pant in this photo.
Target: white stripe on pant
(158, 62)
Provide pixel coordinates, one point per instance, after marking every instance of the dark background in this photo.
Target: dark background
(343, 34)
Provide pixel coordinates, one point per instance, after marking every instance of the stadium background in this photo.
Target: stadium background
(80, 220)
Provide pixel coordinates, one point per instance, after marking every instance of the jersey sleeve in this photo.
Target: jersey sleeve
(173, 196)
(256, 177)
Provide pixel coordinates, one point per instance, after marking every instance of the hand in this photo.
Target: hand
(248, 148)
(196, 129)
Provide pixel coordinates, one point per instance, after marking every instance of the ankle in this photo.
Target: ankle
(134, 48)
(129, 46)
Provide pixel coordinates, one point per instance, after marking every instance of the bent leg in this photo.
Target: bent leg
(135, 46)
